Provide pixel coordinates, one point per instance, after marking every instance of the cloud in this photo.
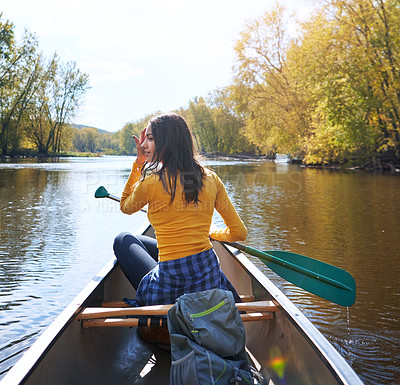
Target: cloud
(109, 70)
(141, 56)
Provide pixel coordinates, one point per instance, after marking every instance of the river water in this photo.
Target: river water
(54, 237)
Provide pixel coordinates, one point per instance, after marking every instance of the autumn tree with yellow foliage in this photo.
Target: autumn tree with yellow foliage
(333, 93)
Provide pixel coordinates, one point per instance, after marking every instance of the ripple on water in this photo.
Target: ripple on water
(10, 353)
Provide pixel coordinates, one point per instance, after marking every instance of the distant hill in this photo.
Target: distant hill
(80, 126)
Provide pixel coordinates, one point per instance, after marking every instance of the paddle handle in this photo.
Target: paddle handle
(287, 264)
(114, 198)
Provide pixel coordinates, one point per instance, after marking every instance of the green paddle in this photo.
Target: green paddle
(319, 278)
(101, 192)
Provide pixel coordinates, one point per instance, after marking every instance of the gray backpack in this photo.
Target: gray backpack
(207, 340)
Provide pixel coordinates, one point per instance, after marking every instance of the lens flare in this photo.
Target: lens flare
(277, 362)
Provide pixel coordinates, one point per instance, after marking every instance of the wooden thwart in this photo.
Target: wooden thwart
(243, 297)
(157, 310)
(108, 316)
(134, 322)
(118, 322)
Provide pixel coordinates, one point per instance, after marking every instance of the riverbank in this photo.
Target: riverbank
(28, 156)
(245, 157)
(374, 165)
(381, 167)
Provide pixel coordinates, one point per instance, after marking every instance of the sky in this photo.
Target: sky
(142, 56)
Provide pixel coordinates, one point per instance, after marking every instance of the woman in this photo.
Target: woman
(181, 196)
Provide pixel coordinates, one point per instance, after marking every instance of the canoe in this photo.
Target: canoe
(285, 347)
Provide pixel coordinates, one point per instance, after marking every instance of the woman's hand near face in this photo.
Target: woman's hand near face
(140, 158)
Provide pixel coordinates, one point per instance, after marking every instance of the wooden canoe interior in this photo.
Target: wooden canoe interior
(117, 355)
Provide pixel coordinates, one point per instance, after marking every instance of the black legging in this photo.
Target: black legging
(136, 256)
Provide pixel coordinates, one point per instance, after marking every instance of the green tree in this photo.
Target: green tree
(265, 88)
(354, 82)
(62, 89)
(19, 71)
(127, 144)
(230, 126)
(108, 143)
(199, 118)
(37, 99)
(85, 139)
(333, 93)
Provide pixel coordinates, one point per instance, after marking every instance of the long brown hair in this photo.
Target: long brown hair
(174, 156)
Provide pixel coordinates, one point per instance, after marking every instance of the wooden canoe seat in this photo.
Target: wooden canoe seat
(243, 297)
(111, 316)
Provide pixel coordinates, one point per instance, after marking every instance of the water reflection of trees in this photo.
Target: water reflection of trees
(347, 219)
(37, 215)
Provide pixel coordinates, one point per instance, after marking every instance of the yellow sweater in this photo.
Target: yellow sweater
(182, 229)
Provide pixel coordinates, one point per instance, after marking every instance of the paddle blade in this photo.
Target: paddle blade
(101, 192)
(326, 281)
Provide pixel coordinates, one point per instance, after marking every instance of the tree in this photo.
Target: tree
(265, 88)
(6, 42)
(37, 99)
(199, 118)
(19, 70)
(355, 81)
(107, 142)
(333, 93)
(230, 126)
(62, 89)
(85, 139)
(127, 145)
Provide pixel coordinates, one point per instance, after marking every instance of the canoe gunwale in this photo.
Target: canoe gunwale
(30, 359)
(337, 365)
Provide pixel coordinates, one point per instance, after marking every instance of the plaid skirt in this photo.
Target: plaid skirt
(171, 279)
